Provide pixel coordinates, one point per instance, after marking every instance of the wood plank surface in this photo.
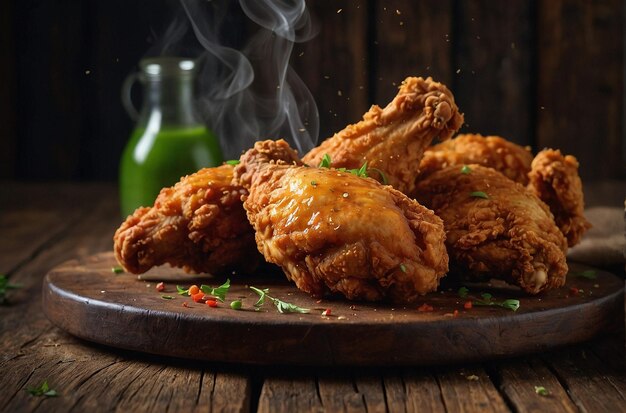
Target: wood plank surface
(341, 95)
(410, 39)
(493, 61)
(580, 84)
(87, 376)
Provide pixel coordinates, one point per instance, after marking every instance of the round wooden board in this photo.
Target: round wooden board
(88, 300)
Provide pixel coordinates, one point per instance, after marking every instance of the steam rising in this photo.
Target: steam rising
(250, 93)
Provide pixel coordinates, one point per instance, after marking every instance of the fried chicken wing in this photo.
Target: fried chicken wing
(393, 139)
(508, 158)
(496, 227)
(333, 231)
(554, 178)
(199, 224)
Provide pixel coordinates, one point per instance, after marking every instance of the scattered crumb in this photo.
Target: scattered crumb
(472, 377)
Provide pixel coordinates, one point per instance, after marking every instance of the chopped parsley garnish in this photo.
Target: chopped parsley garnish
(313, 183)
(588, 274)
(479, 194)
(4, 286)
(466, 170)
(217, 292)
(403, 268)
(232, 162)
(325, 163)
(487, 300)
(282, 306)
(542, 391)
(43, 390)
(117, 270)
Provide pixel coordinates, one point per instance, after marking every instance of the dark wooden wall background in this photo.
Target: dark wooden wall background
(541, 73)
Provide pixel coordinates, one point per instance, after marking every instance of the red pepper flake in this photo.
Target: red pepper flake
(467, 305)
(456, 313)
(425, 308)
(326, 312)
(198, 298)
(211, 303)
(185, 304)
(160, 286)
(573, 291)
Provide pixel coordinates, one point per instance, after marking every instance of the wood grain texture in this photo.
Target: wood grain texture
(517, 380)
(493, 62)
(103, 304)
(411, 39)
(89, 377)
(341, 95)
(580, 85)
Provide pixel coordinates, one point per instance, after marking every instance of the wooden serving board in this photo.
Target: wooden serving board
(90, 301)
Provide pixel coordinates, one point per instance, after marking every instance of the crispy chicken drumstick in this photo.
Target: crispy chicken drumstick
(393, 139)
(333, 231)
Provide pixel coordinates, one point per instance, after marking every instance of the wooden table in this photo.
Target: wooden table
(45, 224)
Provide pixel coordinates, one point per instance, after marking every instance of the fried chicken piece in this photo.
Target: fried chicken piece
(393, 139)
(551, 176)
(510, 235)
(554, 178)
(510, 159)
(333, 231)
(199, 224)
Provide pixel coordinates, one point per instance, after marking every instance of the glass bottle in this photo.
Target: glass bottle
(169, 140)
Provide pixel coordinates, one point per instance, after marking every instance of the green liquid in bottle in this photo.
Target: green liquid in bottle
(154, 160)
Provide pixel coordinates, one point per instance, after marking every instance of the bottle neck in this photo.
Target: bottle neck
(168, 102)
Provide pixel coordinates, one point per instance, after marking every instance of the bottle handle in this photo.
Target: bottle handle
(127, 100)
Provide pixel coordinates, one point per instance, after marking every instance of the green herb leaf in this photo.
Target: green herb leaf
(313, 183)
(284, 307)
(325, 163)
(182, 291)
(510, 304)
(261, 293)
(217, 292)
(479, 194)
(463, 292)
(381, 173)
(362, 171)
(233, 162)
(403, 268)
(42, 390)
(542, 391)
(117, 270)
(5, 286)
(486, 296)
(588, 274)
(167, 297)
(466, 170)
(281, 306)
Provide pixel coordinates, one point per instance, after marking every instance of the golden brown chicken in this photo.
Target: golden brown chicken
(551, 176)
(393, 139)
(333, 231)
(496, 227)
(492, 151)
(199, 224)
(554, 179)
